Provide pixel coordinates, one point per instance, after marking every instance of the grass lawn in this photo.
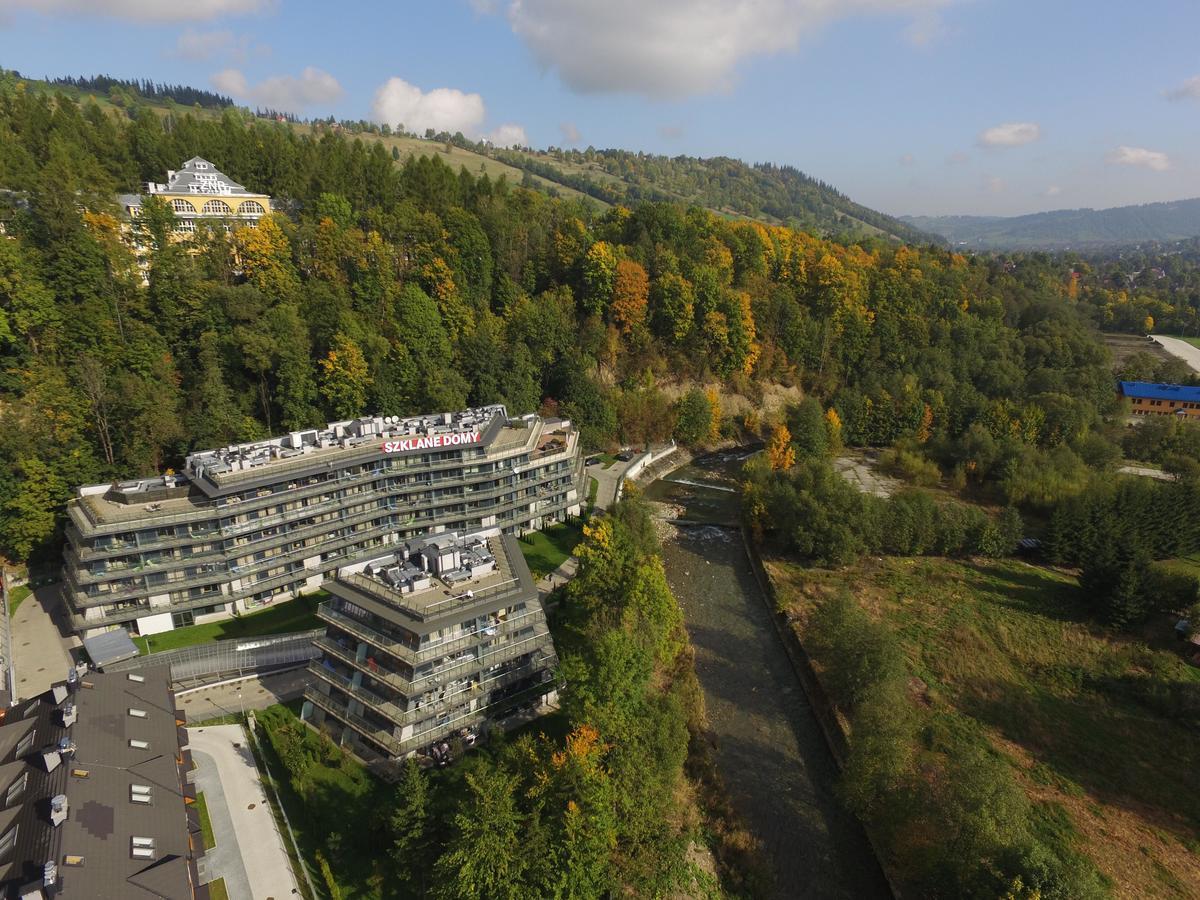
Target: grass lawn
(299, 614)
(1101, 724)
(16, 596)
(216, 890)
(1194, 341)
(205, 822)
(593, 490)
(545, 551)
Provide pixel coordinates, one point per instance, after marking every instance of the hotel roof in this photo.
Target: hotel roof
(1146, 390)
(109, 745)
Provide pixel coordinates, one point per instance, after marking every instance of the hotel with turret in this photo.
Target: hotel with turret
(242, 526)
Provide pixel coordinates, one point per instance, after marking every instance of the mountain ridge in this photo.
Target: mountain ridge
(1061, 229)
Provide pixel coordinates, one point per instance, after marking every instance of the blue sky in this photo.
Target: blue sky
(909, 106)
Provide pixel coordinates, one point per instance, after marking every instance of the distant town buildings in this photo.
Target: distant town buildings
(1147, 399)
(242, 526)
(96, 803)
(428, 645)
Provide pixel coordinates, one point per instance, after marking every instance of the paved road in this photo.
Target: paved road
(39, 646)
(1182, 349)
(223, 860)
(256, 693)
(1146, 472)
(268, 871)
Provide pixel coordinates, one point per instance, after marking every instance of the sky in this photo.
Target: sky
(923, 107)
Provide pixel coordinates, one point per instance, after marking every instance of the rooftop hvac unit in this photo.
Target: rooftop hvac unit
(58, 809)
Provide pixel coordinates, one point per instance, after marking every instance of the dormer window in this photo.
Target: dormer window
(142, 847)
(139, 745)
(139, 793)
(137, 713)
(201, 165)
(16, 789)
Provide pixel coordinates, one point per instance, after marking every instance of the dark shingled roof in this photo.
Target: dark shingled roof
(98, 779)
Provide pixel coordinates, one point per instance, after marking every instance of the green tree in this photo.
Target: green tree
(345, 379)
(485, 857)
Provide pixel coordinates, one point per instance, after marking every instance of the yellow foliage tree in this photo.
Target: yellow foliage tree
(781, 454)
(833, 428)
(714, 403)
(1148, 324)
(264, 254)
(631, 291)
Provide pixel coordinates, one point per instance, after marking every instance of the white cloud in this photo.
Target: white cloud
(1053, 191)
(443, 109)
(1010, 134)
(284, 92)
(144, 10)
(1189, 90)
(508, 135)
(1140, 156)
(201, 46)
(680, 47)
(570, 133)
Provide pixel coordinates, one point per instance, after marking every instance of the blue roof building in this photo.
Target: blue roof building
(1149, 399)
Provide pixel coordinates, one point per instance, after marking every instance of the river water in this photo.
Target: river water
(768, 747)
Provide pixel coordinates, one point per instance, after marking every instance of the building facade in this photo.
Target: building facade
(198, 193)
(96, 801)
(428, 644)
(1148, 399)
(245, 525)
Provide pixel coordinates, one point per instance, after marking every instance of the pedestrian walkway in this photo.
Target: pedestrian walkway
(236, 696)
(264, 861)
(38, 645)
(222, 860)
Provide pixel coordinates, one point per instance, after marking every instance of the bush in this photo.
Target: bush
(911, 467)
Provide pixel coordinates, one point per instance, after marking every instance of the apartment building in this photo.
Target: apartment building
(429, 643)
(245, 525)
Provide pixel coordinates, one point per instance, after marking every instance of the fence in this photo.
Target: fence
(223, 657)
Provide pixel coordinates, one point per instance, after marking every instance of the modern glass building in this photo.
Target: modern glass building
(245, 525)
(429, 643)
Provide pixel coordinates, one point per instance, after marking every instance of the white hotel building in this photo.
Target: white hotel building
(245, 525)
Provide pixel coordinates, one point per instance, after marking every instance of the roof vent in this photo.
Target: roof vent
(138, 678)
(69, 715)
(49, 874)
(58, 809)
(66, 747)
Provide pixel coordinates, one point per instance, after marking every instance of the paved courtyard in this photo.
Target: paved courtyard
(861, 473)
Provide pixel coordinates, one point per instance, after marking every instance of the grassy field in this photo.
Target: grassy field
(545, 551)
(205, 822)
(294, 615)
(16, 596)
(1100, 725)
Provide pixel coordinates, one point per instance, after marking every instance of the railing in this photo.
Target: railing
(414, 656)
(425, 611)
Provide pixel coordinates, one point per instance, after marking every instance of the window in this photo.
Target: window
(138, 678)
(7, 842)
(183, 619)
(16, 789)
(137, 713)
(186, 226)
(216, 208)
(139, 793)
(251, 207)
(180, 205)
(139, 745)
(26, 744)
(201, 165)
(142, 848)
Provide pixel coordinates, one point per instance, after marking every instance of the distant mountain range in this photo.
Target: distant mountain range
(1077, 229)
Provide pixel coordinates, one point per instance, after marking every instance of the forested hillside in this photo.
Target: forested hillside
(777, 195)
(414, 287)
(1077, 229)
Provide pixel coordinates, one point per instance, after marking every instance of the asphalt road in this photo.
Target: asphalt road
(1182, 349)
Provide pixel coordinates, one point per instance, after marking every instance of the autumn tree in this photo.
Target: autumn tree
(345, 379)
(780, 452)
(631, 292)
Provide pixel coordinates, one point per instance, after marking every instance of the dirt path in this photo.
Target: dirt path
(769, 749)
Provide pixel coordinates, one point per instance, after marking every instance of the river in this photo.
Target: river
(769, 749)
